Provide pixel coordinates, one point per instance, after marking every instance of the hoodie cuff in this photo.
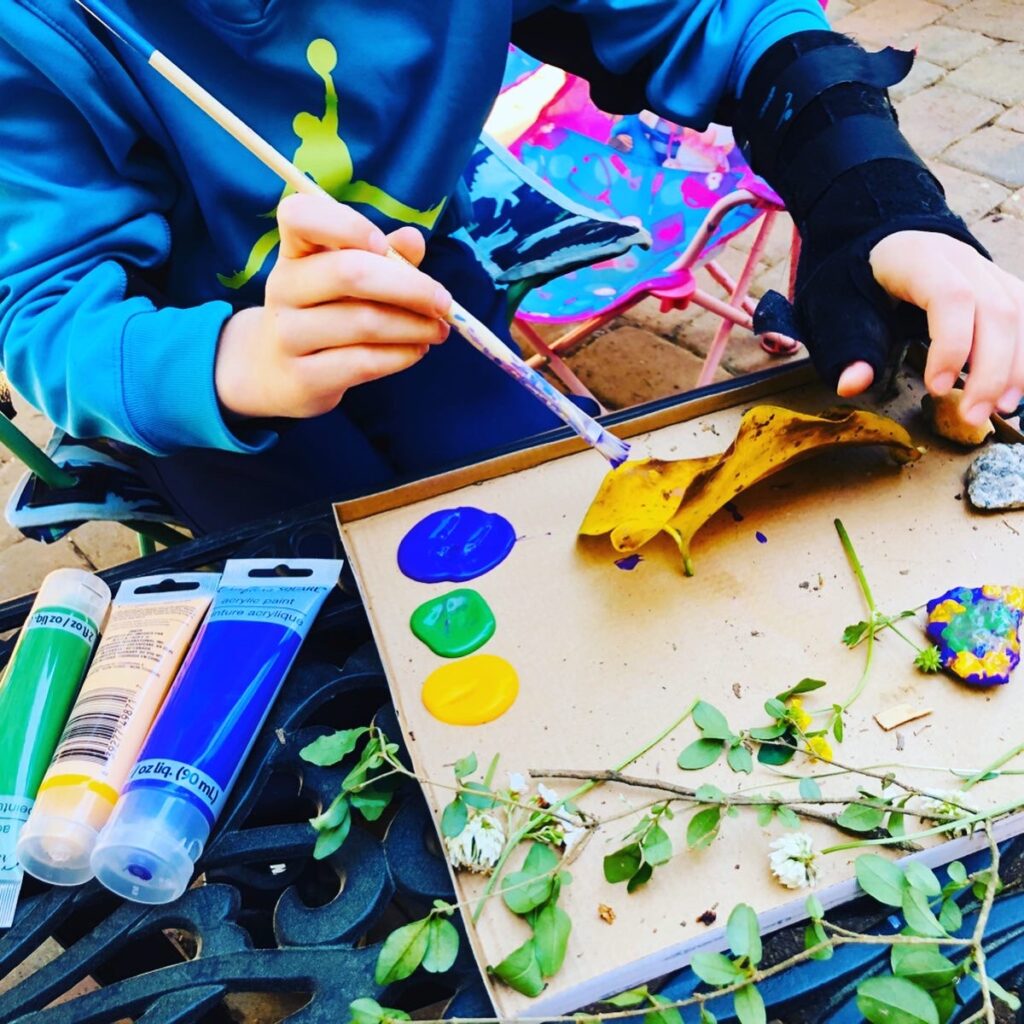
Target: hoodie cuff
(167, 361)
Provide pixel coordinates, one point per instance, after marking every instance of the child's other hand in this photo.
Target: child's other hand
(975, 315)
(337, 312)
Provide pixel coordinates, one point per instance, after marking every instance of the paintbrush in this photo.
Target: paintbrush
(476, 333)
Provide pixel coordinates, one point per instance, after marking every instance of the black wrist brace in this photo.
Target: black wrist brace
(815, 121)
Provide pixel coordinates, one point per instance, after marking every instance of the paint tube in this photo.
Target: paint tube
(152, 622)
(261, 613)
(36, 693)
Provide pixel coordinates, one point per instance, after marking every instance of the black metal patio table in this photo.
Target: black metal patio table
(271, 920)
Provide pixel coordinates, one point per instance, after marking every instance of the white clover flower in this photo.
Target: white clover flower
(547, 794)
(941, 805)
(572, 834)
(792, 860)
(478, 846)
(517, 785)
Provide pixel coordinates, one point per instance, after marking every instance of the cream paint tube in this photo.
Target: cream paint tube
(37, 690)
(152, 622)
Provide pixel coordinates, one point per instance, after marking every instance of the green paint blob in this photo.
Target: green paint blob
(455, 624)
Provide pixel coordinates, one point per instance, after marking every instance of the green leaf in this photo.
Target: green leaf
(442, 946)
(919, 916)
(787, 816)
(711, 721)
(804, 686)
(656, 846)
(920, 876)
(626, 1000)
(530, 887)
(402, 952)
(896, 824)
(809, 789)
(465, 766)
(853, 635)
(815, 910)
(895, 1001)
(330, 841)
(814, 935)
(743, 933)
(837, 722)
(768, 732)
(550, 938)
(700, 754)
(369, 1011)
(521, 971)
(623, 864)
(774, 708)
(881, 879)
(765, 813)
(477, 795)
(663, 1013)
(715, 969)
(951, 917)
(739, 759)
(708, 794)
(703, 827)
(336, 815)
(776, 754)
(1000, 993)
(707, 1017)
(330, 749)
(957, 873)
(858, 818)
(749, 1006)
(923, 965)
(642, 877)
(945, 1002)
(372, 801)
(454, 818)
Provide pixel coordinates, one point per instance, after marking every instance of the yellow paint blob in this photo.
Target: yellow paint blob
(471, 691)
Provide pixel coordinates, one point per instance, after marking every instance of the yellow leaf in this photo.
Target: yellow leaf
(641, 499)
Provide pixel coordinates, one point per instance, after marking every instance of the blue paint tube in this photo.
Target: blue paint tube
(220, 698)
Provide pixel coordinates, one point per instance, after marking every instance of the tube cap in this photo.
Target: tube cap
(76, 589)
(148, 849)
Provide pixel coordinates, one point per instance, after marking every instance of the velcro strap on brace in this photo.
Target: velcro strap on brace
(848, 143)
(806, 78)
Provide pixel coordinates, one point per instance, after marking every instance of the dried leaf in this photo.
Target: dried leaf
(641, 499)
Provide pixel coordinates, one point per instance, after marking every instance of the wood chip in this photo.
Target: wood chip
(606, 913)
(900, 715)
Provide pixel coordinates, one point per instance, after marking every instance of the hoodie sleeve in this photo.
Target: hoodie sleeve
(80, 215)
(687, 60)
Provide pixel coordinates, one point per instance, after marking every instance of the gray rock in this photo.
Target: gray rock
(995, 479)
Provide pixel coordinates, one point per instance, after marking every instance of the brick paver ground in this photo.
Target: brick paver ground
(963, 107)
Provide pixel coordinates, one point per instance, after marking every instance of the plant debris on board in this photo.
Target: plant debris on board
(641, 499)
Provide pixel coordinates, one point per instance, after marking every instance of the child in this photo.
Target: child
(147, 295)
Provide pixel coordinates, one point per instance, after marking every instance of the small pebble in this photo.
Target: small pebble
(995, 480)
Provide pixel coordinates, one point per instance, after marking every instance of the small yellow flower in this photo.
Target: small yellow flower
(798, 716)
(819, 748)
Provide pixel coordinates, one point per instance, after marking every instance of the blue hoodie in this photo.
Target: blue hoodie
(131, 227)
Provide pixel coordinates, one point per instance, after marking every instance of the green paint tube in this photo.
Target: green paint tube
(37, 690)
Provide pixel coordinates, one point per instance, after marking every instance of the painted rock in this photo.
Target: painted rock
(454, 624)
(995, 479)
(976, 631)
(455, 545)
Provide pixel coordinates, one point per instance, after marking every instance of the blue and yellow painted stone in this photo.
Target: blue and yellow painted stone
(977, 632)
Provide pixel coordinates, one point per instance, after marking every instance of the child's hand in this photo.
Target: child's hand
(975, 314)
(337, 312)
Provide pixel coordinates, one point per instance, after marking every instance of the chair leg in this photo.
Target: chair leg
(147, 546)
(33, 457)
(739, 293)
(576, 335)
(156, 533)
(560, 368)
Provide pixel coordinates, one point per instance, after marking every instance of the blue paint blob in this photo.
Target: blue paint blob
(761, 538)
(629, 563)
(455, 545)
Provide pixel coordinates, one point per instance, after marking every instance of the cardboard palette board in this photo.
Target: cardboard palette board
(607, 658)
